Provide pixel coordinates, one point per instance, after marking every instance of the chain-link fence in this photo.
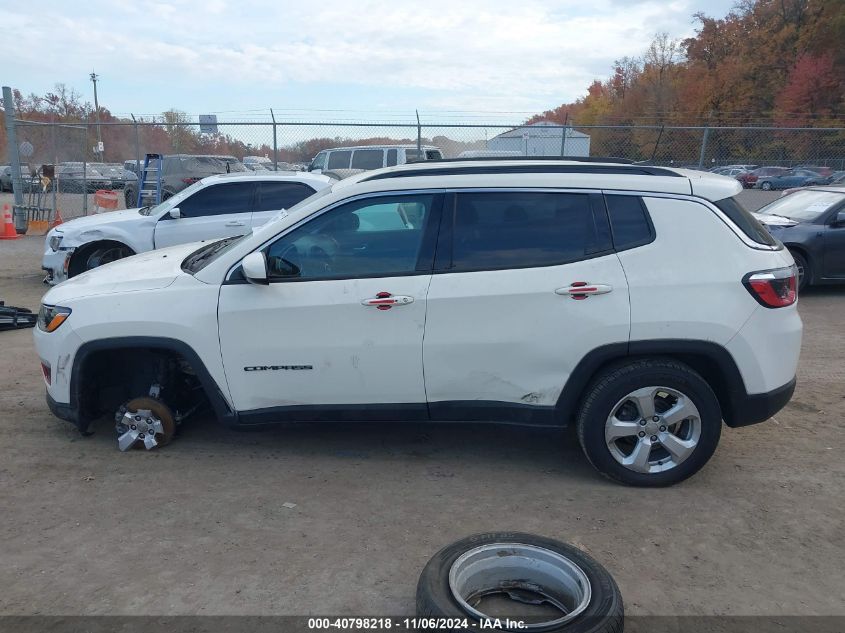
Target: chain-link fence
(83, 167)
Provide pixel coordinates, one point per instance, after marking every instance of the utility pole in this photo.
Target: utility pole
(94, 79)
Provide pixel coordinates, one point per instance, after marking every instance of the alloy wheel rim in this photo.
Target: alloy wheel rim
(653, 429)
(524, 573)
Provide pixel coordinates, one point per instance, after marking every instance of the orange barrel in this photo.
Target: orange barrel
(105, 199)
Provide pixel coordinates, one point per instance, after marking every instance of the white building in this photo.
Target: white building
(542, 139)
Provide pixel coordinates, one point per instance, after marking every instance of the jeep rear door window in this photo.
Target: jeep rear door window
(629, 221)
(374, 237)
(234, 197)
(392, 157)
(272, 196)
(524, 229)
(368, 159)
(339, 160)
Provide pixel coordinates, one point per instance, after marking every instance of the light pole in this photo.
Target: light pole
(94, 78)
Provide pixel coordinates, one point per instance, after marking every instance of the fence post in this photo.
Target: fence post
(419, 136)
(275, 146)
(704, 138)
(18, 213)
(563, 135)
(85, 171)
(137, 147)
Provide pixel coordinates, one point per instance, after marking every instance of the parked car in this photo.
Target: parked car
(6, 177)
(791, 178)
(819, 169)
(257, 163)
(179, 171)
(720, 170)
(740, 174)
(213, 208)
(76, 177)
(750, 180)
(811, 224)
(115, 173)
(527, 292)
(134, 166)
(345, 161)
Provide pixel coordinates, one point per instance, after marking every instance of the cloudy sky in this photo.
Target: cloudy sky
(342, 58)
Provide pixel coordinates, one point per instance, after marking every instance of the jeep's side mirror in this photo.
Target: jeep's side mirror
(255, 268)
(839, 220)
(175, 213)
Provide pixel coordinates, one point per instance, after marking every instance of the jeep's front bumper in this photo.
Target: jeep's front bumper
(55, 264)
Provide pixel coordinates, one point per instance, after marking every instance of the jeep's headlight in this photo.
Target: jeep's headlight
(56, 241)
(51, 317)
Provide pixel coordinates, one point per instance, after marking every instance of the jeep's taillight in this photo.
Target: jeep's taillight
(773, 288)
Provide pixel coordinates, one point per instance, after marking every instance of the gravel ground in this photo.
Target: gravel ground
(200, 527)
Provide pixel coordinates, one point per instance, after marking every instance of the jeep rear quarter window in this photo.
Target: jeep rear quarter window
(746, 222)
(629, 222)
(524, 229)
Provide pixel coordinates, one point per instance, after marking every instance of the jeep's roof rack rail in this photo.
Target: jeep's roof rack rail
(421, 169)
(580, 159)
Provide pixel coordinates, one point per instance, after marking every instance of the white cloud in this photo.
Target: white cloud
(486, 52)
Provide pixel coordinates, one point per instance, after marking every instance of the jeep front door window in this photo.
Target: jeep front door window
(213, 212)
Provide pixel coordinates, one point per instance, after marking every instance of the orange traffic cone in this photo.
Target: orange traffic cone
(9, 232)
(58, 219)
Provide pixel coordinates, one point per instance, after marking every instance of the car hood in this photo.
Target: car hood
(147, 271)
(92, 222)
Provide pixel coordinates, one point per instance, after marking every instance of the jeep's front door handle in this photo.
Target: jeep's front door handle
(583, 289)
(385, 301)
(235, 223)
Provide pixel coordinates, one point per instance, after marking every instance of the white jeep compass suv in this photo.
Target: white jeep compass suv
(639, 303)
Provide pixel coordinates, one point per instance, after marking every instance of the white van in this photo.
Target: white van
(345, 161)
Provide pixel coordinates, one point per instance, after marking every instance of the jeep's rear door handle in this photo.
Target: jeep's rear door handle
(385, 300)
(583, 289)
(235, 223)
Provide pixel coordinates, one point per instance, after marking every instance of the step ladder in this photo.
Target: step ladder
(149, 184)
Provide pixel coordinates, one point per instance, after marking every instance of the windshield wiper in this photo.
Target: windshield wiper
(778, 215)
(204, 253)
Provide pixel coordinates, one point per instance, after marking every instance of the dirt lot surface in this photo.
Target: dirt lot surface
(200, 527)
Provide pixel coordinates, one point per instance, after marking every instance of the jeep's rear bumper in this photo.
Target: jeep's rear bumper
(759, 407)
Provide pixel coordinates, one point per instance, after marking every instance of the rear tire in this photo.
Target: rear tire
(678, 437)
(804, 271)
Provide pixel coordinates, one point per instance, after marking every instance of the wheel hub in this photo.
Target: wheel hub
(139, 427)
